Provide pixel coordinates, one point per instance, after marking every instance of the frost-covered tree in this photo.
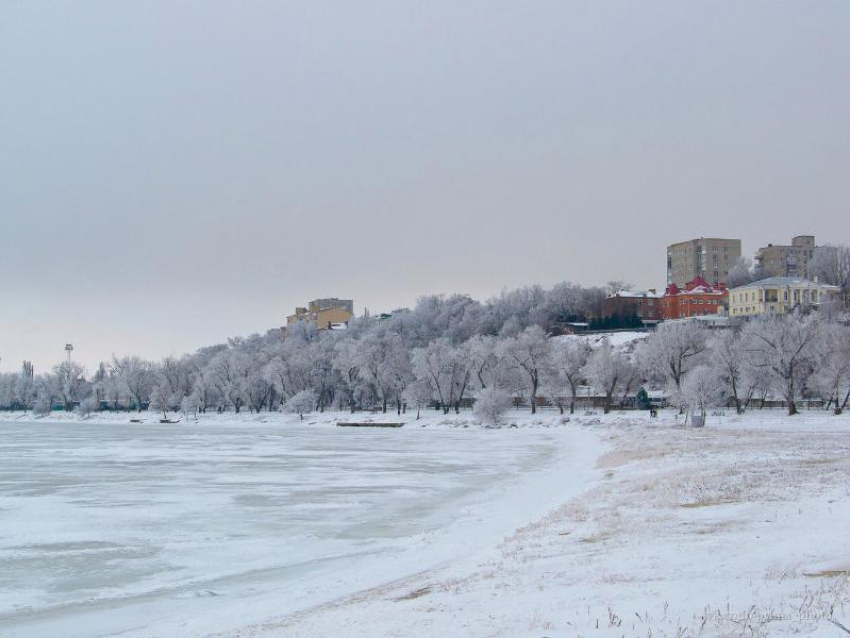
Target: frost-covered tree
(190, 405)
(43, 403)
(384, 362)
(48, 393)
(481, 353)
(112, 391)
(324, 376)
(347, 364)
(176, 373)
(164, 400)
(71, 378)
(136, 376)
(731, 365)
(230, 377)
(606, 371)
(617, 285)
(25, 388)
(786, 348)
(8, 391)
(832, 372)
(491, 405)
(699, 391)
(301, 403)
(565, 302)
(530, 352)
(741, 274)
(671, 351)
(446, 369)
(831, 265)
(87, 406)
(569, 357)
(417, 394)
(552, 390)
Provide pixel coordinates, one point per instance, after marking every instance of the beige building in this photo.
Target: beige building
(786, 261)
(324, 313)
(778, 295)
(707, 257)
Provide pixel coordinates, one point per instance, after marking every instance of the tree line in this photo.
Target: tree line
(448, 350)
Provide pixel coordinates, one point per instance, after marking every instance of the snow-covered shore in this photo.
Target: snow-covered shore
(642, 527)
(736, 529)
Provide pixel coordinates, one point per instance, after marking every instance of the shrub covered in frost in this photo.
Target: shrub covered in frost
(491, 405)
(87, 406)
(301, 403)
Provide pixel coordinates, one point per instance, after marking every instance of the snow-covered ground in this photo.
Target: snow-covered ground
(623, 340)
(737, 529)
(610, 525)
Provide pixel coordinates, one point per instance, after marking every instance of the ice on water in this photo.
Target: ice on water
(123, 526)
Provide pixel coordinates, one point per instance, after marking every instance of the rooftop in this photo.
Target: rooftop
(635, 294)
(797, 282)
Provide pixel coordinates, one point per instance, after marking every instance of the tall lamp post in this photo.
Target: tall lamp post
(69, 348)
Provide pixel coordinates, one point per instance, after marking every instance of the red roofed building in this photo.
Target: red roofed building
(699, 298)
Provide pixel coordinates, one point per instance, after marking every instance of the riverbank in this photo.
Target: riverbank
(738, 528)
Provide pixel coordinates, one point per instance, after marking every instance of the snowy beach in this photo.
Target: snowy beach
(265, 526)
(737, 529)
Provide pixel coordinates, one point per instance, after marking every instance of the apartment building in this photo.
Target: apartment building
(326, 314)
(786, 261)
(698, 299)
(710, 258)
(779, 295)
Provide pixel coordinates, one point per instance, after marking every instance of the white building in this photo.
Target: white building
(778, 295)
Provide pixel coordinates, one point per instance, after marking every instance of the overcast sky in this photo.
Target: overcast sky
(173, 173)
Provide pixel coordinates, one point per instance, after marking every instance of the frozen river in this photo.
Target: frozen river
(149, 530)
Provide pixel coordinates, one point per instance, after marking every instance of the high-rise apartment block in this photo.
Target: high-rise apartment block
(707, 257)
(786, 261)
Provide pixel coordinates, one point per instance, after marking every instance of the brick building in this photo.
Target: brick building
(699, 298)
(645, 305)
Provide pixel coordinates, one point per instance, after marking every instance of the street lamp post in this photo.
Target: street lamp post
(69, 348)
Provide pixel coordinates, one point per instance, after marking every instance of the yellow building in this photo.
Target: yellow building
(325, 314)
(778, 295)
